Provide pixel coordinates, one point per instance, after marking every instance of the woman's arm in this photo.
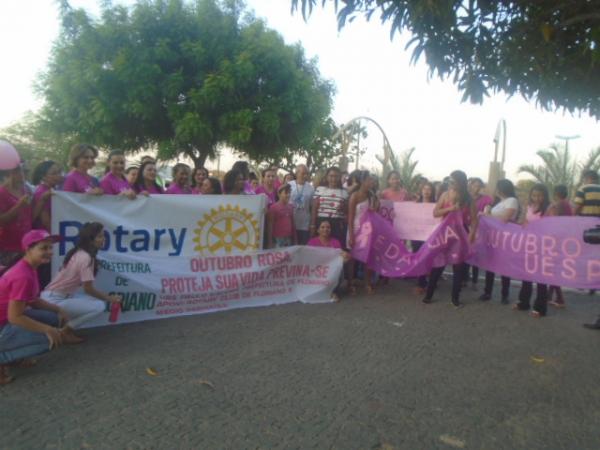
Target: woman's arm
(17, 316)
(438, 211)
(270, 220)
(313, 215)
(351, 215)
(12, 213)
(89, 289)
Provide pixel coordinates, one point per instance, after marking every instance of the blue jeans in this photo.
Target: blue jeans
(18, 343)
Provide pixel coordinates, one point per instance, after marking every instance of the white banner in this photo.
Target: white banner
(172, 255)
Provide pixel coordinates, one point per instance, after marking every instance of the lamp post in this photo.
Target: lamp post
(567, 139)
(497, 167)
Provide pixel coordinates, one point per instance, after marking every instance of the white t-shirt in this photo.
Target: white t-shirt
(301, 199)
(332, 202)
(507, 203)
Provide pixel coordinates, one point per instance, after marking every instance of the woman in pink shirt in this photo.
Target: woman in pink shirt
(268, 188)
(28, 324)
(324, 239)
(199, 174)
(181, 180)
(82, 158)
(281, 231)
(394, 191)
(560, 207)
(145, 183)
(16, 214)
(539, 201)
(114, 182)
(79, 269)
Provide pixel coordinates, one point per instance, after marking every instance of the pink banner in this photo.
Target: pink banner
(379, 246)
(549, 251)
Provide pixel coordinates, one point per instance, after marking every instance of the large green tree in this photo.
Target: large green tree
(546, 50)
(183, 77)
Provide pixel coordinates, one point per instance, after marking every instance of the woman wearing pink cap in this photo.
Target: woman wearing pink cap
(79, 270)
(28, 324)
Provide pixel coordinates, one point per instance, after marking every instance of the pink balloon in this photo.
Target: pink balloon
(9, 157)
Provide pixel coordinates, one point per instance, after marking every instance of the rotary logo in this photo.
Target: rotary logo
(226, 230)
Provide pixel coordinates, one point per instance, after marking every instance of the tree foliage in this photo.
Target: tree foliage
(560, 167)
(325, 150)
(36, 143)
(183, 77)
(546, 50)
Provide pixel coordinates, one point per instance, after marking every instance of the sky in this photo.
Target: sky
(372, 75)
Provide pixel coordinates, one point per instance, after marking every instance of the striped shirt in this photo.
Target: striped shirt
(588, 198)
(332, 202)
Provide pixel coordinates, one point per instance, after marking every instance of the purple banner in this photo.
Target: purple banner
(550, 251)
(378, 245)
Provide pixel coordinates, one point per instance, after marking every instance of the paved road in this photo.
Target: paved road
(385, 372)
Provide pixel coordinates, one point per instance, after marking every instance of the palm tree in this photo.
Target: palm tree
(405, 166)
(560, 167)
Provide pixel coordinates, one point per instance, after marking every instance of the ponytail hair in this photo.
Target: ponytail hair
(85, 241)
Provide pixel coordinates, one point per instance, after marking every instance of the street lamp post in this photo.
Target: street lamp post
(497, 167)
(567, 139)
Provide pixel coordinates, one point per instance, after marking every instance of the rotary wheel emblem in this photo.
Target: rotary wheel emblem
(226, 230)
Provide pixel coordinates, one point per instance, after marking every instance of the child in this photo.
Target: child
(324, 239)
(280, 220)
(28, 324)
(79, 270)
(82, 158)
(394, 191)
(181, 180)
(427, 195)
(560, 207)
(114, 182)
(46, 175)
(539, 202)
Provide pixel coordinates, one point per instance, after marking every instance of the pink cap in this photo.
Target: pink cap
(35, 236)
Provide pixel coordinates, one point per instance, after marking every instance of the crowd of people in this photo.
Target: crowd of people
(38, 312)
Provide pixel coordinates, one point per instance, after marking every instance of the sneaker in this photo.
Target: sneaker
(458, 305)
(505, 301)
(426, 300)
(485, 297)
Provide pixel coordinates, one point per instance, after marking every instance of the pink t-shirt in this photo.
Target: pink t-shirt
(283, 219)
(12, 233)
(394, 196)
(483, 201)
(316, 242)
(154, 189)
(70, 278)
(176, 189)
(196, 191)
(532, 216)
(111, 185)
(78, 182)
(271, 196)
(19, 283)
